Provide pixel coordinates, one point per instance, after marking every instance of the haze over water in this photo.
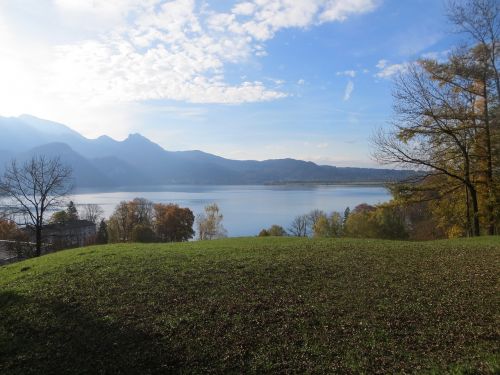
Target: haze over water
(248, 209)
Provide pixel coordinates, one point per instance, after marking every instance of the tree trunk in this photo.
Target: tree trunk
(38, 237)
(475, 212)
(489, 161)
(467, 211)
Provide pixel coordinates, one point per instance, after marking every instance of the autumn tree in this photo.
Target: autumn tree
(128, 215)
(479, 22)
(273, 231)
(209, 223)
(312, 217)
(140, 220)
(322, 228)
(446, 124)
(173, 223)
(33, 188)
(263, 233)
(277, 231)
(8, 229)
(328, 225)
(436, 133)
(384, 221)
(360, 223)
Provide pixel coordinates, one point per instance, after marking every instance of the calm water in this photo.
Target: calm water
(248, 209)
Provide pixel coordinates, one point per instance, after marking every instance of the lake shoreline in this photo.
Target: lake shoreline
(247, 209)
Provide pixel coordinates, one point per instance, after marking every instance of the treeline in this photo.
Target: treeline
(392, 220)
(383, 221)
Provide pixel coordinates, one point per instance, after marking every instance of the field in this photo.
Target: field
(256, 305)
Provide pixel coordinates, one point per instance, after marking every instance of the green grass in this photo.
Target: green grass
(256, 305)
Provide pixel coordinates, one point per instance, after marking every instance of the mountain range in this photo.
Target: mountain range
(136, 161)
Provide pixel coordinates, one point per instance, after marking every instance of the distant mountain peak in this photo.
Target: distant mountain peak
(138, 140)
(137, 136)
(105, 139)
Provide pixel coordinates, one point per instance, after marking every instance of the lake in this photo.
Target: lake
(248, 209)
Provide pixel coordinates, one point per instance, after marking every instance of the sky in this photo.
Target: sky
(243, 79)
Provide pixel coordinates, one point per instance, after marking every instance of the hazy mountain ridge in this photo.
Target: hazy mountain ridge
(137, 161)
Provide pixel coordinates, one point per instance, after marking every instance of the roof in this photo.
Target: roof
(70, 225)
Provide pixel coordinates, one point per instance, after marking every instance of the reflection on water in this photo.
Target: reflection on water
(247, 209)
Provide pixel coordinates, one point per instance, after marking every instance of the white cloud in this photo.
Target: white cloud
(137, 50)
(348, 90)
(387, 70)
(244, 9)
(269, 16)
(339, 10)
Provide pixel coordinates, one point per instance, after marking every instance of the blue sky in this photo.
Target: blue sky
(253, 79)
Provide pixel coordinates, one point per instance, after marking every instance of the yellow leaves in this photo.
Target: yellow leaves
(406, 135)
(455, 231)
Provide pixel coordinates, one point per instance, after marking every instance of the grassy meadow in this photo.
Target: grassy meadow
(255, 305)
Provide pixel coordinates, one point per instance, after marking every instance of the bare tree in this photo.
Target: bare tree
(32, 188)
(299, 226)
(434, 130)
(92, 212)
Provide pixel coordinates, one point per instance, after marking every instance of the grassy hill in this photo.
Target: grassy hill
(255, 305)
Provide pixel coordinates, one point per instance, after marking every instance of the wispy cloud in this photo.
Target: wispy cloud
(347, 73)
(348, 90)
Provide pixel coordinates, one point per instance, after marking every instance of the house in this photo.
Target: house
(75, 233)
